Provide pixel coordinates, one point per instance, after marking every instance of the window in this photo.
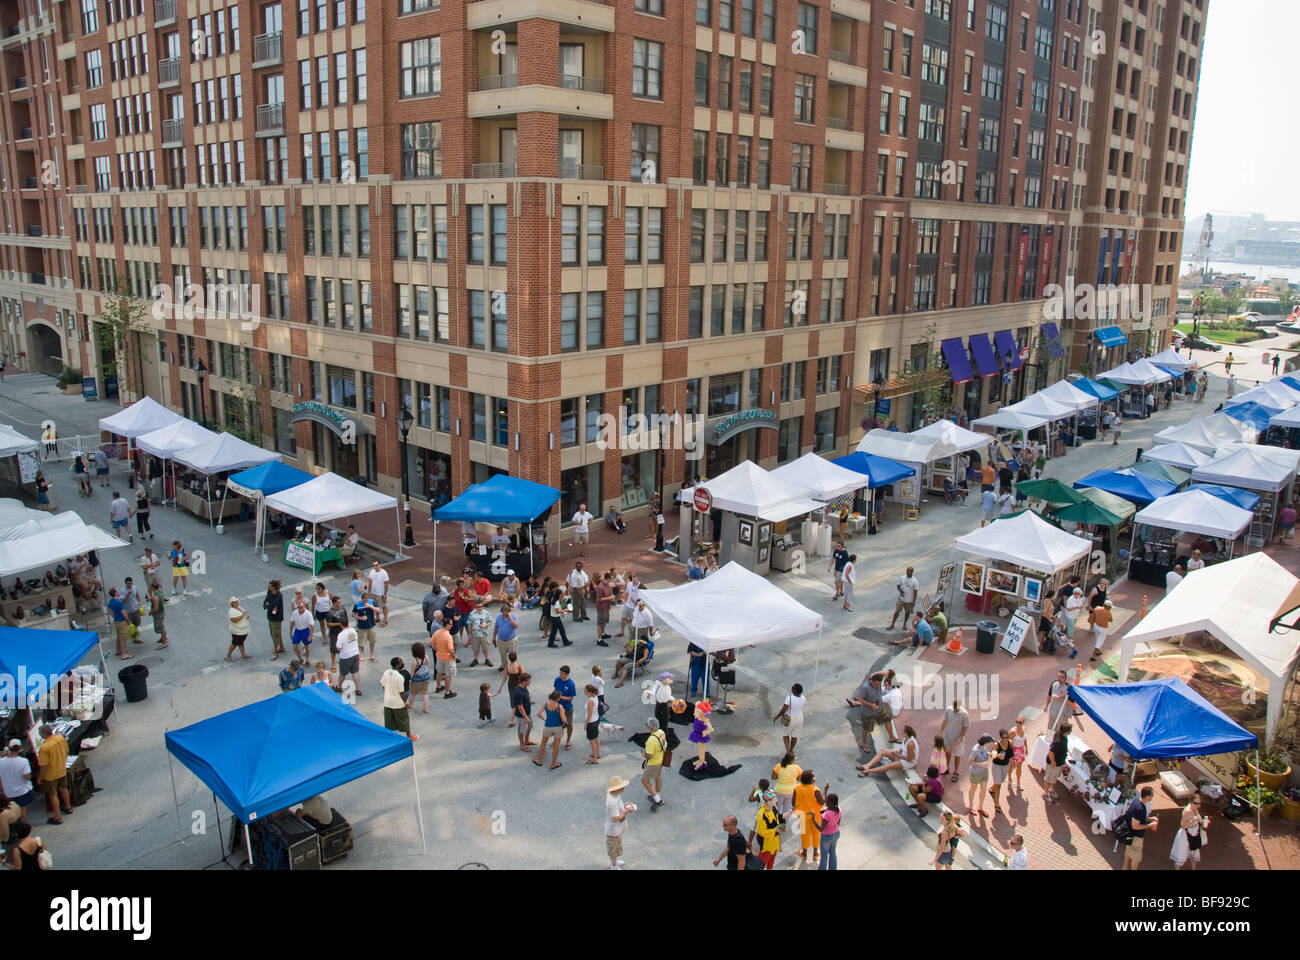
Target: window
(421, 150)
(647, 69)
(700, 156)
(807, 23)
(805, 94)
(632, 316)
(887, 50)
(697, 235)
(701, 78)
(422, 67)
(655, 7)
(631, 235)
(724, 82)
(789, 439)
(645, 149)
(801, 166)
(991, 85)
(995, 26)
(905, 63)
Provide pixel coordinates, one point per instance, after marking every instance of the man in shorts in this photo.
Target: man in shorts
(656, 742)
(16, 777)
(521, 702)
(568, 691)
(349, 658)
(365, 613)
(101, 466)
(908, 587)
(1140, 821)
(53, 782)
(119, 515)
(616, 812)
(871, 709)
(396, 714)
(839, 557)
(378, 577)
(604, 600)
(581, 528)
(505, 633)
(444, 650)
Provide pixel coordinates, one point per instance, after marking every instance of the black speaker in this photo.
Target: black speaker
(335, 837)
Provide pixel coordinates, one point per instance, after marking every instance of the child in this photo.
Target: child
(756, 796)
(939, 756)
(484, 705)
(931, 791)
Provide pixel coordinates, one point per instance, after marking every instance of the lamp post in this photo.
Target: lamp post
(202, 370)
(404, 421)
(659, 469)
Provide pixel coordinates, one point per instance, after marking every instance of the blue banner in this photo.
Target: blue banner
(89, 389)
(1101, 259)
(1118, 252)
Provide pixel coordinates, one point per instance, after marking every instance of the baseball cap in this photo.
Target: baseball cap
(510, 573)
(15, 744)
(234, 599)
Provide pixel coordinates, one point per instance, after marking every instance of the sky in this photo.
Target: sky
(1246, 145)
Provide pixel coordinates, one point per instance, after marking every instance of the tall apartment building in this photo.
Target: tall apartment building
(512, 217)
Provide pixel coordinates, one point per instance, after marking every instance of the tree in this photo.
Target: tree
(122, 317)
(924, 375)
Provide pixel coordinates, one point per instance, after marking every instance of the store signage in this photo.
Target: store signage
(728, 427)
(1020, 629)
(89, 388)
(341, 423)
(299, 555)
(703, 500)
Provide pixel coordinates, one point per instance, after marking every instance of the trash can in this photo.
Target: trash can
(986, 638)
(135, 682)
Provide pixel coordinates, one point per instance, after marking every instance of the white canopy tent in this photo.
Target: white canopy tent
(40, 522)
(143, 416)
(1195, 511)
(14, 512)
(960, 438)
(1287, 418)
(1234, 602)
(1208, 433)
(1067, 393)
(57, 538)
(1247, 469)
(731, 608)
(1280, 455)
(751, 491)
(818, 478)
(329, 497)
(1275, 393)
(180, 435)
(1180, 455)
(1170, 360)
(223, 452)
(1149, 369)
(1038, 405)
(1026, 540)
(12, 442)
(1006, 419)
(915, 450)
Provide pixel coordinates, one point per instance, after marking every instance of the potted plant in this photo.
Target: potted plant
(1273, 769)
(1291, 804)
(70, 380)
(1263, 797)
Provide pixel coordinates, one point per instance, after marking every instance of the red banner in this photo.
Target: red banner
(1045, 259)
(1129, 255)
(1021, 258)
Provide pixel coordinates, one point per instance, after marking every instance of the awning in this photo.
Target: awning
(985, 362)
(1053, 335)
(954, 354)
(1110, 337)
(1007, 346)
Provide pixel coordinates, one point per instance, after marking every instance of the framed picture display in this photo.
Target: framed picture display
(764, 534)
(907, 490)
(945, 578)
(745, 533)
(762, 554)
(1003, 581)
(1032, 589)
(972, 577)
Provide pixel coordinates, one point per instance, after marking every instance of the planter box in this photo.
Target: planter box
(1291, 811)
(72, 389)
(1273, 781)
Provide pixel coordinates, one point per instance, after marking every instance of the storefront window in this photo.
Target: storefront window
(638, 479)
(284, 438)
(724, 394)
(342, 387)
(580, 485)
(824, 430)
(788, 439)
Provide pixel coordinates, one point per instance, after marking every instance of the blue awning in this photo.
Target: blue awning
(1161, 719)
(1110, 337)
(31, 657)
(879, 471)
(1007, 345)
(500, 499)
(985, 362)
(1053, 335)
(954, 354)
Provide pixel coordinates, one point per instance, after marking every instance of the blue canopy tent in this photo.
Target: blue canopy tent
(259, 482)
(1252, 412)
(499, 499)
(32, 660)
(1132, 486)
(1098, 390)
(879, 471)
(1292, 380)
(269, 755)
(1242, 498)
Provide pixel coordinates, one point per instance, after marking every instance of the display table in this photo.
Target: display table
(1076, 779)
(1148, 572)
(47, 597)
(311, 556)
(516, 560)
(855, 526)
(201, 507)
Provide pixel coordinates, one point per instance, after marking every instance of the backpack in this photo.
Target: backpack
(1123, 829)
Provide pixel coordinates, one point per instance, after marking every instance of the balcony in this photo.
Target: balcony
(837, 123)
(35, 231)
(169, 72)
(172, 133)
(836, 189)
(164, 13)
(570, 170)
(573, 81)
(498, 81)
(848, 74)
(492, 171)
(842, 138)
(267, 50)
(841, 56)
(270, 120)
(30, 183)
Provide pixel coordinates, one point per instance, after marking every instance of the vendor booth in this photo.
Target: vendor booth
(1019, 429)
(1161, 719)
(919, 451)
(1090, 418)
(19, 458)
(756, 508)
(1235, 603)
(1254, 413)
(1018, 562)
(731, 609)
(946, 470)
(837, 486)
(166, 442)
(1208, 433)
(1289, 419)
(1260, 473)
(1271, 393)
(141, 417)
(322, 499)
(880, 473)
(308, 741)
(1133, 486)
(1155, 550)
(1050, 492)
(260, 482)
(1162, 471)
(1170, 360)
(1179, 455)
(1242, 498)
(503, 499)
(1104, 518)
(218, 455)
(43, 545)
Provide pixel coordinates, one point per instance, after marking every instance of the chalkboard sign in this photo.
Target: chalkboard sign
(1020, 629)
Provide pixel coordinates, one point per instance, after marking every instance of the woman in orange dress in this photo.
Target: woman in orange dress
(808, 802)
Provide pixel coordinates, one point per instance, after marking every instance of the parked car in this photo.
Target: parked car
(1253, 318)
(1196, 343)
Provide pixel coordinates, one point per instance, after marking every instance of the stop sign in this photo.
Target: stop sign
(703, 500)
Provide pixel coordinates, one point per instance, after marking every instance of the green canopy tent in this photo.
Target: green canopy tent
(1162, 471)
(1088, 514)
(1051, 492)
(1101, 509)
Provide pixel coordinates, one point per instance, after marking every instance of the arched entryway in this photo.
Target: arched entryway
(44, 349)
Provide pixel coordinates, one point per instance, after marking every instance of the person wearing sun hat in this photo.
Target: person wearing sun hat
(616, 813)
(240, 626)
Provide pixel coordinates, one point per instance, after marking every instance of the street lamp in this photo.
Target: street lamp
(202, 370)
(404, 421)
(659, 469)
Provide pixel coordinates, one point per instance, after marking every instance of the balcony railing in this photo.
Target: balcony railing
(841, 56)
(38, 278)
(24, 133)
(581, 171)
(267, 49)
(169, 72)
(172, 133)
(20, 83)
(498, 81)
(837, 123)
(35, 231)
(270, 119)
(839, 189)
(164, 12)
(573, 81)
(30, 183)
(492, 171)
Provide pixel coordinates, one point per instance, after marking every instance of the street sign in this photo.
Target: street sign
(1024, 354)
(703, 500)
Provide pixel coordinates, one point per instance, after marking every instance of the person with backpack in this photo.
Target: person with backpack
(656, 746)
(1133, 826)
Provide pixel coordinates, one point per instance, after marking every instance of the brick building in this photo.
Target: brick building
(514, 217)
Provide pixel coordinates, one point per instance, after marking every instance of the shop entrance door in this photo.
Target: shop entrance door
(346, 462)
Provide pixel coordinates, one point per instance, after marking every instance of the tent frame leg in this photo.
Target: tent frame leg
(419, 810)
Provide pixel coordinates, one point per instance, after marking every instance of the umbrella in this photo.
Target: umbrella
(1162, 471)
(1109, 502)
(1052, 492)
(1088, 513)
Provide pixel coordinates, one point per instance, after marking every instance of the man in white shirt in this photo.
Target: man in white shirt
(581, 527)
(1056, 709)
(500, 539)
(16, 777)
(1173, 578)
(908, 587)
(616, 811)
(149, 564)
(631, 590)
(119, 515)
(578, 581)
(643, 622)
(350, 542)
(350, 657)
(396, 715)
(1007, 502)
(1019, 858)
(378, 578)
